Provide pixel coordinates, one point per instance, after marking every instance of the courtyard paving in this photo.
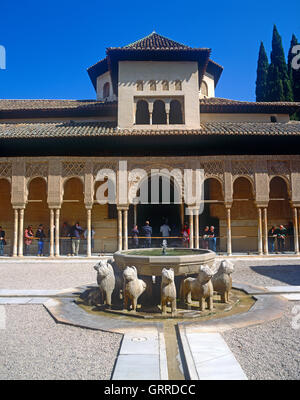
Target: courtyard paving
(34, 346)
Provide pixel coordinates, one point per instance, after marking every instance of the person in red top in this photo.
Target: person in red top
(185, 232)
(28, 236)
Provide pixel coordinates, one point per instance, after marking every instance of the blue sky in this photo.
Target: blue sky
(50, 44)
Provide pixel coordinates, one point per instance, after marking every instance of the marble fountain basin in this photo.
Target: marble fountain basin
(151, 261)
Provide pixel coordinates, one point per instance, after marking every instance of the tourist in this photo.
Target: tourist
(85, 234)
(135, 236)
(205, 237)
(212, 240)
(28, 236)
(185, 235)
(65, 239)
(290, 235)
(272, 237)
(165, 229)
(2, 241)
(75, 234)
(40, 235)
(281, 233)
(147, 231)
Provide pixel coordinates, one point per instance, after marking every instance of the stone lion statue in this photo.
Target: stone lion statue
(133, 287)
(199, 289)
(222, 280)
(105, 280)
(168, 290)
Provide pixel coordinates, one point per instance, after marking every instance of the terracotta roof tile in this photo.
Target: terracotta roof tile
(83, 129)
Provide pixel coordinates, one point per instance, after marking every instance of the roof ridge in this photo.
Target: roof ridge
(157, 35)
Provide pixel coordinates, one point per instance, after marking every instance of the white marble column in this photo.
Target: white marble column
(51, 232)
(125, 228)
(21, 233)
(89, 232)
(57, 230)
(296, 231)
(135, 214)
(16, 225)
(266, 250)
(260, 242)
(191, 226)
(228, 241)
(196, 231)
(120, 230)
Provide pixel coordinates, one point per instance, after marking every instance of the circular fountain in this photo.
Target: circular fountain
(150, 262)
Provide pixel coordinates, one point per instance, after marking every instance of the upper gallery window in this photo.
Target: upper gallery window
(178, 85)
(106, 89)
(142, 116)
(139, 85)
(204, 88)
(165, 85)
(152, 85)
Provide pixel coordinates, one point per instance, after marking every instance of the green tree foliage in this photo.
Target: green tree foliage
(279, 86)
(262, 74)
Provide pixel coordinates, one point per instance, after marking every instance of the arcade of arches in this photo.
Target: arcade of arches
(243, 199)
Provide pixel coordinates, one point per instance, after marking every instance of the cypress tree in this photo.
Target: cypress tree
(279, 72)
(261, 74)
(294, 73)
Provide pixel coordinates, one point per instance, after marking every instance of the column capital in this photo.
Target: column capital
(262, 204)
(228, 204)
(123, 207)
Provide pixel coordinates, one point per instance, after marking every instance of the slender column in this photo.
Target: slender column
(197, 231)
(135, 214)
(191, 226)
(89, 232)
(296, 232)
(150, 115)
(21, 233)
(266, 231)
(125, 229)
(182, 214)
(120, 230)
(16, 223)
(260, 247)
(229, 243)
(51, 232)
(57, 229)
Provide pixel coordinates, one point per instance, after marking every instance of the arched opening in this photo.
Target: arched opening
(175, 112)
(72, 211)
(165, 85)
(280, 213)
(142, 116)
(213, 212)
(204, 88)
(37, 213)
(159, 116)
(6, 215)
(139, 86)
(243, 217)
(104, 223)
(106, 89)
(178, 85)
(162, 206)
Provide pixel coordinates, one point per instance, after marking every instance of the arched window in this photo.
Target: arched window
(178, 85)
(204, 88)
(142, 116)
(159, 115)
(175, 112)
(165, 85)
(139, 85)
(106, 90)
(273, 118)
(152, 85)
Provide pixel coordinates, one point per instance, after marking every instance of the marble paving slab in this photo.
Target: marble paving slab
(284, 289)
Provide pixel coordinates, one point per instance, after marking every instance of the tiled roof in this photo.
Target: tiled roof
(220, 105)
(48, 104)
(94, 129)
(154, 41)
